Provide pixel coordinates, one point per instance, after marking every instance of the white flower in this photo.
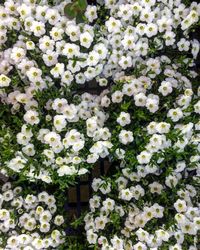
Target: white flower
(144, 157)
(113, 25)
(180, 206)
(4, 214)
(165, 88)
(163, 235)
(29, 150)
(56, 33)
(4, 81)
(128, 42)
(163, 127)
(183, 45)
(17, 54)
(52, 138)
(120, 153)
(140, 246)
(34, 74)
(86, 39)
(13, 242)
(100, 222)
(151, 29)
(175, 247)
(52, 16)
(109, 204)
(31, 117)
(175, 114)
(30, 45)
(146, 15)
(151, 128)
(93, 58)
(50, 58)
(59, 122)
(24, 11)
(140, 99)
(44, 227)
(125, 62)
(67, 78)
(197, 107)
(180, 166)
(117, 96)
(188, 228)
(124, 119)
(70, 50)
(91, 13)
(45, 216)
(91, 237)
(66, 170)
(45, 43)
(125, 12)
(169, 37)
(59, 220)
(142, 234)
(58, 70)
(30, 224)
(126, 194)
(164, 23)
(156, 187)
(24, 239)
(152, 105)
(125, 136)
(73, 31)
(195, 48)
(117, 242)
(37, 243)
(171, 181)
(189, 20)
(38, 28)
(197, 222)
(101, 49)
(179, 237)
(41, 12)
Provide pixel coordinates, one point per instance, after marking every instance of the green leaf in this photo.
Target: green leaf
(80, 18)
(82, 4)
(69, 10)
(125, 106)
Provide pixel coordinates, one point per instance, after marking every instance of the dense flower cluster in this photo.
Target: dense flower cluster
(147, 27)
(145, 210)
(29, 221)
(65, 142)
(44, 54)
(58, 133)
(141, 53)
(152, 201)
(49, 48)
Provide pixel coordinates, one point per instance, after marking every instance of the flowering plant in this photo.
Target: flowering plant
(57, 134)
(51, 131)
(57, 147)
(147, 119)
(29, 220)
(147, 28)
(151, 200)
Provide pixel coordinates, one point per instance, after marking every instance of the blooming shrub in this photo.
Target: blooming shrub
(144, 210)
(146, 28)
(53, 132)
(147, 120)
(151, 201)
(60, 145)
(45, 55)
(29, 220)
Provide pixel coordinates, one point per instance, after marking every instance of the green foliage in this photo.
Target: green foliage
(76, 10)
